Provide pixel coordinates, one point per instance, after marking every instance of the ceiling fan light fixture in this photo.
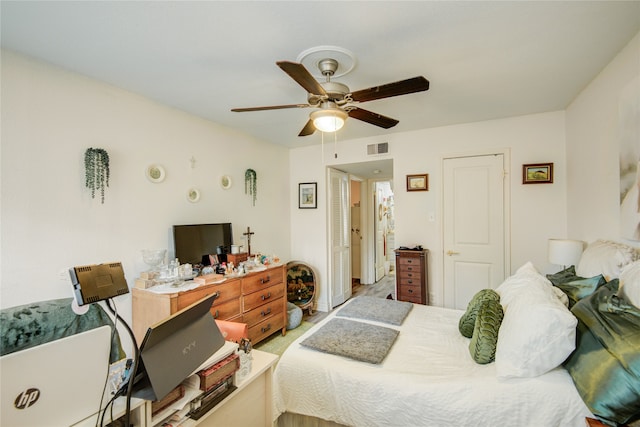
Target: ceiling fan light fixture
(328, 120)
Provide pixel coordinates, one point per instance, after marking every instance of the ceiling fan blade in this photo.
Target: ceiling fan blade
(271, 107)
(373, 118)
(308, 129)
(403, 87)
(300, 74)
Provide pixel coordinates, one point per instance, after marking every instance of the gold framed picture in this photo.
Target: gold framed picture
(537, 173)
(418, 182)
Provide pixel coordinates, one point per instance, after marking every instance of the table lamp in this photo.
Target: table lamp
(565, 252)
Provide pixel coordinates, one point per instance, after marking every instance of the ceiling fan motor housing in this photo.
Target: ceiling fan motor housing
(335, 92)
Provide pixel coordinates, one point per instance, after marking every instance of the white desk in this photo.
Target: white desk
(251, 404)
(138, 411)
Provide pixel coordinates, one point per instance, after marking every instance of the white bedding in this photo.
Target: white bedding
(427, 379)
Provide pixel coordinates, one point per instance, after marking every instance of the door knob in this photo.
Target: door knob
(450, 253)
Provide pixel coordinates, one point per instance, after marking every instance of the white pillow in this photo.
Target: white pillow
(538, 332)
(605, 257)
(630, 283)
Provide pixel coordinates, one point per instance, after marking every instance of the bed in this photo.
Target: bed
(429, 376)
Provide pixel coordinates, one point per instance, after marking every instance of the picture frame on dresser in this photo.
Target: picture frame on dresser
(308, 195)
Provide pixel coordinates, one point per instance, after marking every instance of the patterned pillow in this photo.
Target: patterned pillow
(605, 257)
(468, 320)
(485, 332)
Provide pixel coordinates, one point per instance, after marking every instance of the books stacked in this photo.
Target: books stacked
(216, 382)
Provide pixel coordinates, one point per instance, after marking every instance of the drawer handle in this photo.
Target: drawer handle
(264, 297)
(410, 269)
(265, 313)
(263, 329)
(410, 291)
(267, 280)
(216, 314)
(410, 275)
(409, 261)
(409, 281)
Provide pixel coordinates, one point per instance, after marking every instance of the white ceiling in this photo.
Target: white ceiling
(484, 59)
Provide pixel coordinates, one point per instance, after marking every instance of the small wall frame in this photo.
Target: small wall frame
(418, 182)
(308, 195)
(537, 173)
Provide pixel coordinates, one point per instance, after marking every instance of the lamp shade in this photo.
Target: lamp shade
(328, 120)
(565, 252)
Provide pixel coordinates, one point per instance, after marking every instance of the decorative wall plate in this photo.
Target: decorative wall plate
(226, 182)
(193, 195)
(155, 173)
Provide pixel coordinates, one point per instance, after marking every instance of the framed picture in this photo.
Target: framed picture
(307, 195)
(418, 182)
(537, 173)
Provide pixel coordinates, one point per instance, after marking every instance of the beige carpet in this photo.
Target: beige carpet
(277, 343)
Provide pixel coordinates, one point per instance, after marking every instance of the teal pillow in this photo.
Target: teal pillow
(580, 288)
(485, 332)
(605, 365)
(468, 320)
(566, 275)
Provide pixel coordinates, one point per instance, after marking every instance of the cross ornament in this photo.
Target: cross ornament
(248, 234)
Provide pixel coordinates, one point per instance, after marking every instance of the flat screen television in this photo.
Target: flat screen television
(193, 243)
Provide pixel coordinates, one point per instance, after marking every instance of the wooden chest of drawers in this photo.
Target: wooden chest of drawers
(411, 276)
(257, 299)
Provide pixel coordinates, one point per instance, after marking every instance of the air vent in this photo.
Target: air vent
(381, 148)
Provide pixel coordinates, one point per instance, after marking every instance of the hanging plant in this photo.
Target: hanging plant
(251, 184)
(96, 170)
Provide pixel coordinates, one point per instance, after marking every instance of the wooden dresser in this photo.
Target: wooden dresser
(258, 299)
(411, 276)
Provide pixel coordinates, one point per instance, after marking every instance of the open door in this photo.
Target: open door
(339, 229)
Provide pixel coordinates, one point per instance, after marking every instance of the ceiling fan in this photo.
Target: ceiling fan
(336, 101)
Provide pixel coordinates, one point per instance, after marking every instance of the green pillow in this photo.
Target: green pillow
(566, 275)
(468, 320)
(485, 332)
(581, 287)
(605, 366)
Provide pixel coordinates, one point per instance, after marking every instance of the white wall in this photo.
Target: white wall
(49, 221)
(537, 211)
(593, 201)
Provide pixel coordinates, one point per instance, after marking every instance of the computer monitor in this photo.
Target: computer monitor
(174, 348)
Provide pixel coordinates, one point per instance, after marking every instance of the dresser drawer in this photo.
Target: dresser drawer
(264, 296)
(410, 281)
(409, 268)
(226, 310)
(267, 327)
(409, 260)
(410, 293)
(227, 290)
(261, 280)
(263, 312)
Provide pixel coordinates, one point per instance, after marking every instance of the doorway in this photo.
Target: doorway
(362, 213)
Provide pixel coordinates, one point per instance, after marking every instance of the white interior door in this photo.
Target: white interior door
(379, 232)
(474, 226)
(339, 229)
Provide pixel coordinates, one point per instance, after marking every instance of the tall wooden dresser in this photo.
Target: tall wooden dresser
(258, 299)
(411, 276)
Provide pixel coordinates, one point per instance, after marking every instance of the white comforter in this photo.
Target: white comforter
(427, 379)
